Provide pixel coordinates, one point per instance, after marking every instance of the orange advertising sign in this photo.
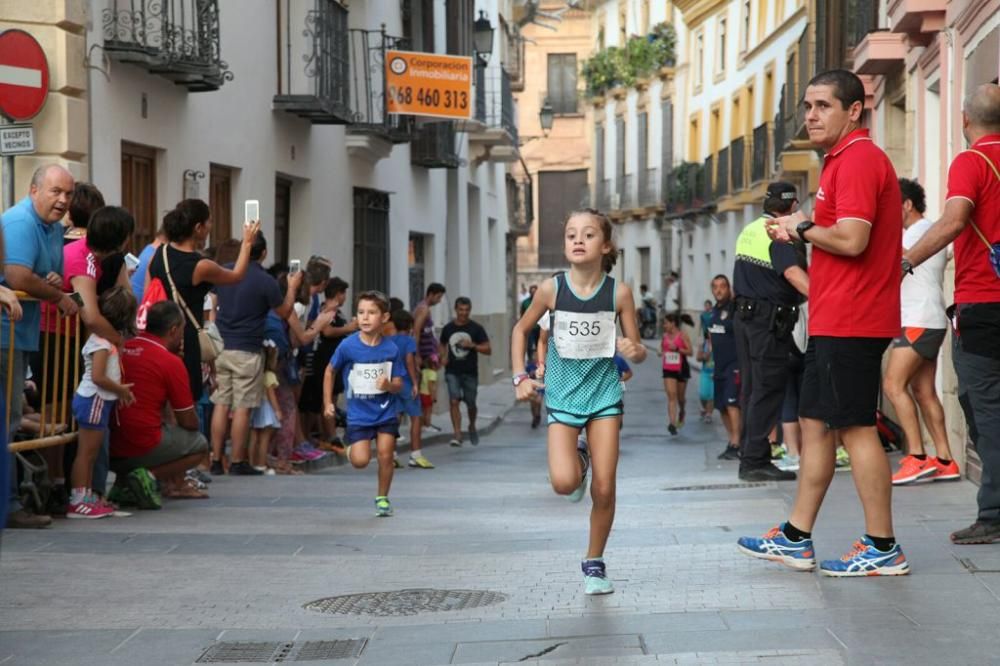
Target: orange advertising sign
(428, 84)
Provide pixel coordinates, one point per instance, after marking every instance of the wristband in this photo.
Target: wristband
(518, 378)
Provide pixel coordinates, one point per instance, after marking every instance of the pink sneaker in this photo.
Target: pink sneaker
(90, 508)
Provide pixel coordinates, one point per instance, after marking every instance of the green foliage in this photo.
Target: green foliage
(639, 58)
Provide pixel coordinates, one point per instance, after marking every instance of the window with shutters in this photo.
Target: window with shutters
(282, 220)
(418, 24)
(220, 201)
(371, 240)
(599, 153)
(461, 16)
(561, 84)
(667, 135)
(619, 151)
(642, 128)
(558, 196)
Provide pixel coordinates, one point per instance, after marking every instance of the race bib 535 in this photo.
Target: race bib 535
(585, 334)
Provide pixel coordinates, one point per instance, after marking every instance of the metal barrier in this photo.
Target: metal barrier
(62, 351)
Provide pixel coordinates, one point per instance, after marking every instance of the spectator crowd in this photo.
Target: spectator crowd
(139, 378)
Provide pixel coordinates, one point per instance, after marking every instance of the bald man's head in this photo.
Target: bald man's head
(51, 190)
(982, 108)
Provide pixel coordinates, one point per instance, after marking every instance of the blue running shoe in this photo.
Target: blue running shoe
(595, 577)
(864, 559)
(775, 546)
(581, 490)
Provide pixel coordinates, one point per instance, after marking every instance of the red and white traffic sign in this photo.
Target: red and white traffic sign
(24, 75)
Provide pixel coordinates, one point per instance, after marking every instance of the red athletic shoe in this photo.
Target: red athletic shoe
(947, 472)
(912, 469)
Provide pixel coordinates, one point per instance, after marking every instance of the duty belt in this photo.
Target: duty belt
(750, 307)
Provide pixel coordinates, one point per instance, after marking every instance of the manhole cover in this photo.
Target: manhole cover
(270, 653)
(720, 486)
(405, 602)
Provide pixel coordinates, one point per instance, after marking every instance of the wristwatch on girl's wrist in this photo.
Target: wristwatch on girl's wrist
(519, 378)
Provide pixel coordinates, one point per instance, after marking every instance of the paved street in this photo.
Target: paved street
(164, 587)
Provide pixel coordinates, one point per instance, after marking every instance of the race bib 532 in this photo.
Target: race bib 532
(365, 376)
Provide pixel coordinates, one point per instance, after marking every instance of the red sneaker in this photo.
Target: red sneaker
(947, 472)
(912, 469)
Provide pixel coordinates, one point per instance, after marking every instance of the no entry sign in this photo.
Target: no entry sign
(24, 75)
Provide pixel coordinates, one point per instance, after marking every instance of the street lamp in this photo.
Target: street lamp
(483, 37)
(545, 117)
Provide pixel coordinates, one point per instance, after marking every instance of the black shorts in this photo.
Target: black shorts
(682, 375)
(842, 380)
(926, 342)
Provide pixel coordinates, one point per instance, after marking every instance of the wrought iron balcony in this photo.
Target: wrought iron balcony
(649, 188)
(496, 113)
(176, 39)
(722, 173)
(434, 146)
(368, 87)
(603, 191)
(761, 158)
(737, 168)
(629, 194)
(314, 61)
(862, 18)
(708, 171)
(683, 187)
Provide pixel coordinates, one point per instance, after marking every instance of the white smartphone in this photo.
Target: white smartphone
(294, 266)
(131, 261)
(251, 211)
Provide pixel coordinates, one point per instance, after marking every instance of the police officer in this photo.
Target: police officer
(769, 281)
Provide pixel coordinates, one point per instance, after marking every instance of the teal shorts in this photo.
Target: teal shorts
(581, 421)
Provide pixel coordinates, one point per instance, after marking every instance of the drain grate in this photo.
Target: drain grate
(271, 653)
(405, 602)
(721, 486)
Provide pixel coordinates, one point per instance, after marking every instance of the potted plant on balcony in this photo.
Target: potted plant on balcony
(600, 72)
(664, 37)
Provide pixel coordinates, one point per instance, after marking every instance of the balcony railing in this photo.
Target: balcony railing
(683, 187)
(602, 194)
(862, 17)
(722, 173)
(761, 157)
(495, 107)
(176, 39)
(434, 146)
(628, 192)
(649, 188)
(314, 62)
(707, 191)
(368, 87)
(737, 168)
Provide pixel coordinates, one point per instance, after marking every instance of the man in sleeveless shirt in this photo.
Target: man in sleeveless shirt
(971, 219)
(427, 350)
(769, 284)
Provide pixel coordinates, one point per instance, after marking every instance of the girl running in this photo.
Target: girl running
(583, 391)
(675, 349)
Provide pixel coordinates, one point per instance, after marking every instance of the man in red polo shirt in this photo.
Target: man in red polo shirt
(854, 313)
(971, 219)
(143, 447)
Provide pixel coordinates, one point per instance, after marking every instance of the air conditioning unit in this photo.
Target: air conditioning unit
(616, 201)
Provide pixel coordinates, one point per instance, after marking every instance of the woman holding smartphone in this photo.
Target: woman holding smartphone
(187, 227)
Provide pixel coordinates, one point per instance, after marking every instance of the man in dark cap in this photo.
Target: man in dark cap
(769, 281)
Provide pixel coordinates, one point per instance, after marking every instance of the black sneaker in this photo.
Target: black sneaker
(730, 453)
(766, 473)
(672, 429)
(978, 532)
(243, 468)
(217, 469)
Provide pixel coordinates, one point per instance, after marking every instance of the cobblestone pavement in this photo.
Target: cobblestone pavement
(164, 587)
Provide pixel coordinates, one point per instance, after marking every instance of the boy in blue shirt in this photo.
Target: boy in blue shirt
(372, 369)
(400, 331)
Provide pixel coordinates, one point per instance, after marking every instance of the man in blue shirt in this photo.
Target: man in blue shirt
(33, 239)
(239, 370)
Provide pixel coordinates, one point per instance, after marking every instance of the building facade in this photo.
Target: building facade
(556, 39)
(283, 101)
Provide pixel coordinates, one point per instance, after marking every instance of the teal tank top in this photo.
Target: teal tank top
(581, 387)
